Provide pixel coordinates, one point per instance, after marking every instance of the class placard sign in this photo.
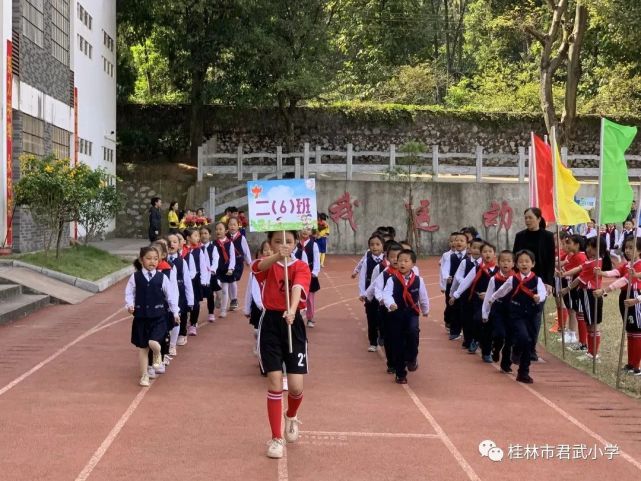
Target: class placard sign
(276, 205)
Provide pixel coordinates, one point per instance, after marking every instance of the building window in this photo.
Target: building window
(107, 154)
(60, 141)
(108, 41)
(86, 147)
(33, 20)
(60, 30)
(84, 16)
(108, 67)
(85, 47)
(33, 135)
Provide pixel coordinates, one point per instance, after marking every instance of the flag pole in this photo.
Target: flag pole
(559, 298)
(626, 309)
(597, 206)
(289, 326)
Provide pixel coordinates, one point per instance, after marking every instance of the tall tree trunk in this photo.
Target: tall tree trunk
(196, 114)
(287, 107)
(61, 226)
(574, 69)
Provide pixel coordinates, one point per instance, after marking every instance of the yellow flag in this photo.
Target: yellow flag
(566, 186)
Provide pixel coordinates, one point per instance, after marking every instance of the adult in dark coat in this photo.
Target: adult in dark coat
(154, 219)
(541, 242)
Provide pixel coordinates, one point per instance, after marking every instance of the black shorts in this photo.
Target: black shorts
(588, 304)
(273, 345)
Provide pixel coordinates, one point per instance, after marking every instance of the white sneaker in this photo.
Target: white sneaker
(144, 380)
(167, 359)
(222, 314)
(211, 318)
(275, 448)
(371, 349)
(151, 372)
(157, 360)
(182, 340)
(160, 368)
(291, 429)
(285, 386)
(173, 351)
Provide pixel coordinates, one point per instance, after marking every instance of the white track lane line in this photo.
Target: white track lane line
(371, 435)
(60, 351)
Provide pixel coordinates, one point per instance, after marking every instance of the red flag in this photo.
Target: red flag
(542, 154)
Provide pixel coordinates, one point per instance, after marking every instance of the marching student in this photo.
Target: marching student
(210, 283)
(321, 237)
(253, 294)
(225, 266)
(178, 336)
(198, 269)
(273, 336)
(526, 292)
(307, 251)
(380, 275)
(626, 233)
(633, 322)
(590, 229)
(167, 269)
(405, 296)
(497, 315)
(611, 236)
(571, 268)
(474, 286)
(463, 304)
(243, 256)
(386, 234)
(588, 281)
(373, 257)
(146, 293)
(449, 268)
(444, 263)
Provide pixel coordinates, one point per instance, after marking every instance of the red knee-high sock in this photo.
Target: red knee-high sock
(634, 350)
(583, 329)
(275, 412)
(594, 341)
(293, 403)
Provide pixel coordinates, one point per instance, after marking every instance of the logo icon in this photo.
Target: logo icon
(489, 449)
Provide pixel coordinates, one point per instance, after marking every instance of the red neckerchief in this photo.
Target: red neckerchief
(521, 287)
(184, 251)
(481, 269)
(221, 244)
(500, 277)
(407, 297)
(384, 265)
(163, 265)
(235, 236)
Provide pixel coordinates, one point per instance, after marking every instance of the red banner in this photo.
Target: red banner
(9, 114)
(542, 154)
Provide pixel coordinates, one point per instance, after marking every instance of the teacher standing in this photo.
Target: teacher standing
(541, 242)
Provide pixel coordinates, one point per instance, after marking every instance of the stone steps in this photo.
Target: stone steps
(16, 304)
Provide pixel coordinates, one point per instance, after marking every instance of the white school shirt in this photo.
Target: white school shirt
(362, 275)
(316, 267)
(467, 281)
(444, 264)
(459, 275)
(220, 260)
(170, 293)
(360, 264)
(189, 288)
(590, 233)
(247, 256)
(252, 293)
(210, 266)
(506, 288)
(423, 298)
(204, 267)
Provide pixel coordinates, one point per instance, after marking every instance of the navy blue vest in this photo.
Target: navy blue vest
(522, 304)
(370, 263)
(414, 290)
(195, 253)
(309, 251)
(210, 252)
(455, 262)
(150, 299)
(238, 245)
(497, 286)
(223, 266)
(484, 280)
(182, 296)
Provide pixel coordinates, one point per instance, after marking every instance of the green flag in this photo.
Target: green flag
(615, 191)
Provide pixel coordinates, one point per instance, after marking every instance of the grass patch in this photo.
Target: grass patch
(85, 262)
(606, 370)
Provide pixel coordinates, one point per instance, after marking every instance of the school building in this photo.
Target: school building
(58, 95)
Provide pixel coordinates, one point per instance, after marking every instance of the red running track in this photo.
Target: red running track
(71, 408)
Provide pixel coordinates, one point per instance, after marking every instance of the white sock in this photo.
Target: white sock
(233, 290)
(173, 336)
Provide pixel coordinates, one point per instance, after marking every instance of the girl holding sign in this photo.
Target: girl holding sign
(276, 273)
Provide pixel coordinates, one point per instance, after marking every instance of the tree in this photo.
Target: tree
(53, 191)
(102, 204)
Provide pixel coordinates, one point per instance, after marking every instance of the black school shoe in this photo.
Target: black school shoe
(412, 365)
(401, 380)
(525, 379)
(496, 354)
(506, 369)
(391, 370)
